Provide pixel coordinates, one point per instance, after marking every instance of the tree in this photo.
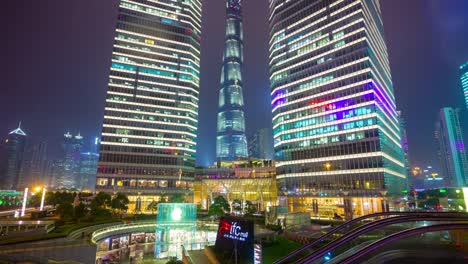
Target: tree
(101, 200)
(119, 203)
(99, 205)
(35, 200)
(57, 198)
(174, 260)
(219, 207)
(249, 208)
(237, 205)
(153, 206)
(177, 198)
(65, 210)
(79, 211)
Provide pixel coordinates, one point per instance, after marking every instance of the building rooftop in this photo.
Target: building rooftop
(18, 131)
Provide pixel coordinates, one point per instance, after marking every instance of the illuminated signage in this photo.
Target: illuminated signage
(232, 230)
(235, 235)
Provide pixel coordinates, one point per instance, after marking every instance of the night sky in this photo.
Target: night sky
(56, 58)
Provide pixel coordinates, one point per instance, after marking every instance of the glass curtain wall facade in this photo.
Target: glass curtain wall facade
(148, 137)
(451, 148)
(336, 130)
(14, 147)
(231, 143)
(71, 151)
(464, 81)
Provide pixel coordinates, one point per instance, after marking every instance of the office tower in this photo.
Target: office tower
(71, 147)
(231, 143)
(464, 81)
(405, 147)
(148, 137)
(13, 147)
(95, 143)
(34, 166)
(55, 173)
(451, 147)
(336, 131)
(88, 170)
(261, 144)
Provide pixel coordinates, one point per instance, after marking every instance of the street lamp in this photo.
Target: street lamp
(25, 197)
(42, 199)
(37, 189)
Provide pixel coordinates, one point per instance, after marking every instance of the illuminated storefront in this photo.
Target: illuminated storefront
(245, 181)
(337, 207)
(176, 227)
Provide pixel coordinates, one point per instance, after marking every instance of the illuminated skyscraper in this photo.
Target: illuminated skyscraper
(261, 144)
(451, 148)
(464, 81)
(13, 148)
(35, 164)
(231, 143)
(69, 178)
(336, 131)
(405, 147)
(151, 111)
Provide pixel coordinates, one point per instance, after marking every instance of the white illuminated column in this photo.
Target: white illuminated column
(42, 199)
(25, 197)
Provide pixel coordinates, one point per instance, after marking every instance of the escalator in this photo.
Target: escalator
(365, 254)
(344, 237)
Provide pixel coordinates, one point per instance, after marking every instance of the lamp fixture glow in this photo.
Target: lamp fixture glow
(176, 214)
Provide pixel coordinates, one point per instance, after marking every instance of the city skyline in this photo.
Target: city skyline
(448, 21)
(234, 131)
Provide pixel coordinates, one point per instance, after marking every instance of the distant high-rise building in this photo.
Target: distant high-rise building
(149, 132)
(55, 173)
(404, 145)
(335, 126)
(464, 81)
(34, 166)
(88, 170)
(261, 144)
(71, 147)
(426, 178)
(13, 147)
(95, 143)
(451, 147)
(231, 143)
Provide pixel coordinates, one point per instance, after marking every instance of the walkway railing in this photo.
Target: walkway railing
(351, 223)
(401, 235)
(348, 237)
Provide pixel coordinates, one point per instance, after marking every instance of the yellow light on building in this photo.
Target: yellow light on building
(465, 195)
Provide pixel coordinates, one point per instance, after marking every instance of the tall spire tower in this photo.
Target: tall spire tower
(231, 143)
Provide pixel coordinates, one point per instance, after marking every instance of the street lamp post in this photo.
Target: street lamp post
(42, 199)
(25, 198)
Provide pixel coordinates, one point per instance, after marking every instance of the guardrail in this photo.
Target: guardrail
(77, 233)
(346, 238)
(122, 229)
(143, 226)
(401, 235)
(350, 223)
